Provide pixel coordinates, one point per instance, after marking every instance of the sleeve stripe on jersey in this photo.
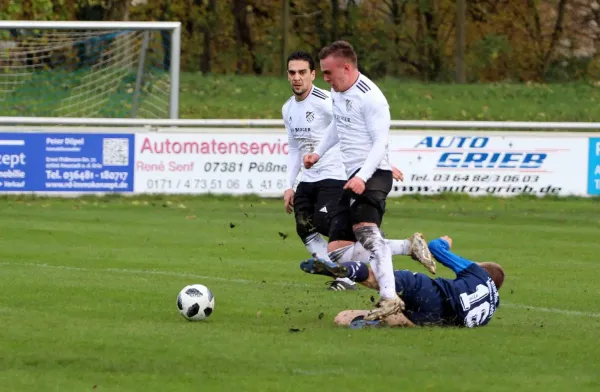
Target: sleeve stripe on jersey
(318, 91)
(318, 94)
(362, 86)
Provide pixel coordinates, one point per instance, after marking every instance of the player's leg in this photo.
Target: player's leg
(327, 197)
(304, 211)
(328, 210)
(345, 253)
(366, 213)
(341, 236)
(356, 252)
(415, 246)
(316, 265)
(420, 252)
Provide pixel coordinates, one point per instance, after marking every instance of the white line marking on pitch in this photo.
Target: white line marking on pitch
(247, 281)
(551, 310)
(320, 372)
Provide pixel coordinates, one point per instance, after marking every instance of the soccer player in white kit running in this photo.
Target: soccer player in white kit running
(306, 115)
(316, 201)
(361, 126)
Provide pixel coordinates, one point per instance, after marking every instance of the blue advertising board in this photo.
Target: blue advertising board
(66, 162)
(594, 167)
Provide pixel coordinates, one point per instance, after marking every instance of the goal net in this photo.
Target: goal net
(102, 69)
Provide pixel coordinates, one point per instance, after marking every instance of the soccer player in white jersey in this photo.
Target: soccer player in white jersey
(306, 115)
(315, 203)
(361, 126)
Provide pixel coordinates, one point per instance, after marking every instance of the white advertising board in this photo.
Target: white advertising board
(480, 164)
(477, 163)
(253, 161)
(224, 163)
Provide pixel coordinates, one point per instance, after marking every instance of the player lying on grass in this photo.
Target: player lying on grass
(469, 300)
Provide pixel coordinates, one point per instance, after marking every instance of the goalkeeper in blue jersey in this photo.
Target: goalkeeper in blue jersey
(469, 300)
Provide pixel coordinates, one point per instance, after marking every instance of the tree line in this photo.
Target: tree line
(502, 40)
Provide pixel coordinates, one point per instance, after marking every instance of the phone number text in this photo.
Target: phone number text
(529, 178)
(202, 184)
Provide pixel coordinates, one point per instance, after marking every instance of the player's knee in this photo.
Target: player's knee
(370, 237)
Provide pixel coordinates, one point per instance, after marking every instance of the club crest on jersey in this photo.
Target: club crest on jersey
(310, 116)
(348, 105)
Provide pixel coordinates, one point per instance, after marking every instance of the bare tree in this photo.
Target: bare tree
(533, 23)
(243, 36)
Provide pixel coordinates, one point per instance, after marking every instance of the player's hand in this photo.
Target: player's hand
(311, 159)
(288, 200)
(397, 174)
(356, 185)
(448, 240)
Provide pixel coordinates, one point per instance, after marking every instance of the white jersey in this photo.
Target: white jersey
(362, 126)
(306, 122)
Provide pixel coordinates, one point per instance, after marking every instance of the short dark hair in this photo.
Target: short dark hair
(304, 56)
(340, 49)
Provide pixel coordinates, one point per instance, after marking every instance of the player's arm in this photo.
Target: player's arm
(378, 119)
(294, 160)
(440, 249)
(329, 140)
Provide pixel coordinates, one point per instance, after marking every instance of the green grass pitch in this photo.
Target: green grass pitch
(88, 289)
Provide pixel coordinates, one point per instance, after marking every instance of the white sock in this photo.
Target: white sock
(360, 253)
(316, 244)
(381, 262)
(343, 254)
(399, 247)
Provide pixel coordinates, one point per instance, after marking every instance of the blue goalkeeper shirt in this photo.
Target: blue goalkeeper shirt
(469, 300)
(473, 294)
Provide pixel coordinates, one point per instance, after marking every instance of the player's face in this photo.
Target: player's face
(336, 72)
(300, 77)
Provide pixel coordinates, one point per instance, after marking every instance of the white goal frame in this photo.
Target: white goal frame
(173, 27)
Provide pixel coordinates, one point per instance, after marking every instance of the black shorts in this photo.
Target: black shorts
(317, 202)
(368, 207)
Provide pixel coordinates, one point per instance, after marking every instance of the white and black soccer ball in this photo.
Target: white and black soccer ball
(195, 302)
